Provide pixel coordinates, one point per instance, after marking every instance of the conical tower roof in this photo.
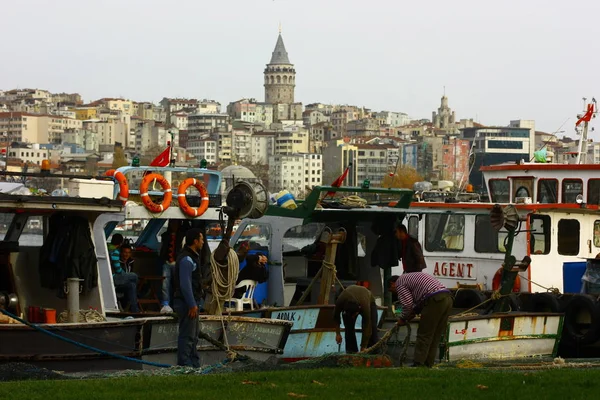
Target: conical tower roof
(280, 55)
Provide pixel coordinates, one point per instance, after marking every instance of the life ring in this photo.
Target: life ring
(183, 204)
(122, 181)
(167, 195)
(498, 278)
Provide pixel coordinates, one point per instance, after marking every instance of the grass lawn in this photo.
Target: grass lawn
(338, 383)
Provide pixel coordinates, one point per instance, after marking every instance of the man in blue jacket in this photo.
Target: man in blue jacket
(187, 295)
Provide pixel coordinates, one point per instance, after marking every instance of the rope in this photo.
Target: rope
(85, 346)
(381, 342)
(84, 316)
(224, 278)
(354, 201)
(551, 289)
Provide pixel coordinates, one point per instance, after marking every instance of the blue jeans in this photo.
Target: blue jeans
(187, 341)
(167, 273)
(127, 283)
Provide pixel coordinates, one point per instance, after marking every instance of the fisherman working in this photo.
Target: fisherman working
(254, 268)
(411, 251)
(171, 244)
(125, 282)
(421, 293)
(187, 296)
(355, 300)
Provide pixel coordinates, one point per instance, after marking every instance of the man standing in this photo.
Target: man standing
(419, 292)
(171, 243)
(411, 252)
(187, 295)
(125, 282)
(355, 300)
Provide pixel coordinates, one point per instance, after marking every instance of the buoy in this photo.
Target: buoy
(286, 200)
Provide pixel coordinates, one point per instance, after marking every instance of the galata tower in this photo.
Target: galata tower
(280, 76)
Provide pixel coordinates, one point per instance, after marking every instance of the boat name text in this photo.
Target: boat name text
(454, 270)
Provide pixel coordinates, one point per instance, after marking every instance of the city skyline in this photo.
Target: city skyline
(526, 61)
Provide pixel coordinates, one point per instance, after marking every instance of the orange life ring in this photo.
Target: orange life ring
(150, 205)
(498, 278)
(183, 204)
(122, 181)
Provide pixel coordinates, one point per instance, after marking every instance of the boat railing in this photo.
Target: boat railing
(374, 197)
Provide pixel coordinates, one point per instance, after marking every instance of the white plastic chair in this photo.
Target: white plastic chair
(247, 298)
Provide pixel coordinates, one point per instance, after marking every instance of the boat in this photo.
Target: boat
(90, 335)
(498, 334)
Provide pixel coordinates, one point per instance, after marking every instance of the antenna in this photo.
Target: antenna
(279, 27)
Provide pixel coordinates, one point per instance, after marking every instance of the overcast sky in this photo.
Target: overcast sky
(501, 60)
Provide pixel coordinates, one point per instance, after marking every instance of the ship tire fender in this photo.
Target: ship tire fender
(514, 302)
(183, 204)
(468, 298)
(575, 314)
(544, 302)
(122, 181)
(147, 201)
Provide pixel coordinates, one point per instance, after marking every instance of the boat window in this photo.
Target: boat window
(257, 235)
(5, 220)
(444, 232)
(593, 195)
(568, 237)
(488, 239)
(539, 239)
(547, 191)
(597, 233)
(300, 236)
(522, 192)
(413, 226)
(500, 190)
(570, 189)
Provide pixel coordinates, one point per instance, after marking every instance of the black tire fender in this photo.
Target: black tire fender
(582, 320)
(544, 302)
(468, 298)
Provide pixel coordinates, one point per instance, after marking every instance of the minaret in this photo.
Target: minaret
(280, 76)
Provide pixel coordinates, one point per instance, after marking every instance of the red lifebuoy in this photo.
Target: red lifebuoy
(498, 278)
(122, 181)
(148, 203)
(183, 204)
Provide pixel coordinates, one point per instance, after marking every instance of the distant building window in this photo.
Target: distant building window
(504, 144)
(547, 191)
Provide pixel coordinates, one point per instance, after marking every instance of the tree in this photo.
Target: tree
(119, 159)
(405, 177)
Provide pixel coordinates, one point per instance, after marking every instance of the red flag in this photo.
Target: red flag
(587, 116)
(163, 158)
(338, 182)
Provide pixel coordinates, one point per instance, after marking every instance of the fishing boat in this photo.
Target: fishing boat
(58, 305)
(294, 274)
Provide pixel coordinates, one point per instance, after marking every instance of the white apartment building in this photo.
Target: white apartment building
(31, 154)
(205, 149)
(262, 146)
(295, 140)
(297, 173)
(392, 118)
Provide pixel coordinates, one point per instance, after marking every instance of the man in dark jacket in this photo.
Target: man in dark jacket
(187, 296)
(410, 252)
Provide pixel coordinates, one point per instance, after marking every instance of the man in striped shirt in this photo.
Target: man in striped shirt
(421, 293)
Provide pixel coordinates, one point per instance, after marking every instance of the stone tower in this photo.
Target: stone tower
(280, 76)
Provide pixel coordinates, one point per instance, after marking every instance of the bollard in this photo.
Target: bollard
(72, 290)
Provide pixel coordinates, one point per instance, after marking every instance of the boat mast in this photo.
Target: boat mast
(590, 113)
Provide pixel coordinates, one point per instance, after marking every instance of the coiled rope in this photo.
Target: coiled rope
(354, 201)
(224, 278)
(83, 316)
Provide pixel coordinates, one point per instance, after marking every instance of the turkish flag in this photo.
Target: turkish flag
(587, 117)
(163, 159)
